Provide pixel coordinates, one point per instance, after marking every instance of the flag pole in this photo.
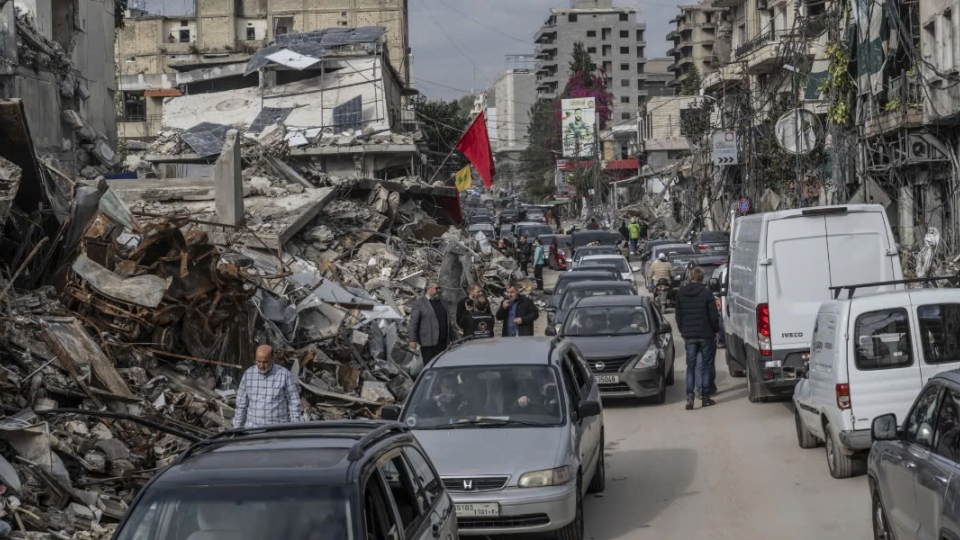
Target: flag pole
(442, 164)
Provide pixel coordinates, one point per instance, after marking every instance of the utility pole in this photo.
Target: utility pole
(796, 110)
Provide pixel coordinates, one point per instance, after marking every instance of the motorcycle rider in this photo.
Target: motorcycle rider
(661, 269)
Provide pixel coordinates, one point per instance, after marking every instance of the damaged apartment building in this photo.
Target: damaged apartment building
(57, 57)
(163, 56)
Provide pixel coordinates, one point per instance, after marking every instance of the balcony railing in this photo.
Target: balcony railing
(759, 41)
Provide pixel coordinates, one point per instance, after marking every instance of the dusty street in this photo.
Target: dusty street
(733, 471)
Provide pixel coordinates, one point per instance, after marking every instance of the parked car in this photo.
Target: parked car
(617, 261)
(515, 428)
(485, 228)
(349, 479)
(627, 343)
(869, 356)
(533, 213)
(567, 278)
(712, 243)
(645, 254)
(599, 237)
(593, 250)
(676, 253)
(558, 261)
(613, 271)
(531, 230)
(782, 267)
(914, 471)
(509, 215)
(578, 291)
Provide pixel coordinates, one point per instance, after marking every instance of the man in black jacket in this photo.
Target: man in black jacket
(518, 314)
(524, 254)
(698, 321)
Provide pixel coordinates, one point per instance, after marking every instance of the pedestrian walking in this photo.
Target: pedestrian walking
(477, 321)
(538, 261)
(623, 230)
(556, 217)
(524, 254)
(698, 321)
(431, 328)
(633, 230)
(518, 314)
(267, 394)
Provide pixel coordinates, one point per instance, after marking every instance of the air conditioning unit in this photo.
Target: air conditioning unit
(925, 147)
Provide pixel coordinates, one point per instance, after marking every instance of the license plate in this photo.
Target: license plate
(719, 248)
(606, 379)
(772, 363)
(478, 510)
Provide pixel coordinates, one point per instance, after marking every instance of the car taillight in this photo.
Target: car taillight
(843, 396)
(763, 329)
(702, 247)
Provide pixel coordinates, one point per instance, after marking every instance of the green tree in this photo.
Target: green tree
(539, 188)
(540, 155)
(443, 123)
(582, 62)
(691, 85)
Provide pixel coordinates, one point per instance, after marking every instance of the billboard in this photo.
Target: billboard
(579, 123)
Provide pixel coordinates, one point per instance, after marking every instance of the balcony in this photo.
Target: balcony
(685, 60)
(546, 34)
(760, 53)
(903, 109)
(673, 67)
(545, 52)
(671, 35)
(729, 75)
(671, 51)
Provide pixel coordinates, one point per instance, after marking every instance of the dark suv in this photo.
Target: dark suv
(305, 481)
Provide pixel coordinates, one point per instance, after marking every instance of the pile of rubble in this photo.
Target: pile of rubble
(656, 212)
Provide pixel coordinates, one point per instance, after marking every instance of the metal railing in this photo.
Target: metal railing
(140, 118)
(766, 37)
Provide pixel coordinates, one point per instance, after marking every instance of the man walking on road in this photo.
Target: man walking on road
(518, 314)
(698, 321)
(267, 394)
(634, 231)
(524, 253)
(538, 261)
(431, 327)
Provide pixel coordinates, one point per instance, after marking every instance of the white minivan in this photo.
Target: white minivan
(782, 265)
(870, 356)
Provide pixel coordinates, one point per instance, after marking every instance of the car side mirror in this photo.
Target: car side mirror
(548, 292)
(390, 412)
(665, 328)
(551, 330)
(714, 285)
(588, 408)
(884, 428)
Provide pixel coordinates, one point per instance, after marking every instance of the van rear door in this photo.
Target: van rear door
(938, 327)
(860, 252)
(798, 280)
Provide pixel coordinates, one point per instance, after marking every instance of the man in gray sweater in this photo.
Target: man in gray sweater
(431, 326)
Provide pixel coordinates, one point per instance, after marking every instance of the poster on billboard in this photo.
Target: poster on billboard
(579, 125)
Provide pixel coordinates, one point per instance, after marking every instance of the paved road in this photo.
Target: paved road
(733, 471)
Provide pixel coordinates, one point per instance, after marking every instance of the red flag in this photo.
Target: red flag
(476, 146)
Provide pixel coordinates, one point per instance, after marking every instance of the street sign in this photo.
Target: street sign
(725, 148)
(743, 206)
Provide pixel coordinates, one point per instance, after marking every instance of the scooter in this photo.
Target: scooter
(662, 293)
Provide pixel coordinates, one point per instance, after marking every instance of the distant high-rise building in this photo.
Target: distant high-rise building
(516, 91)
(695, 43)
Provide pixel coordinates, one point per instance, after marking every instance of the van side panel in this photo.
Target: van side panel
(824, 368)
(798, 279)
(858, 245)
(740, 326)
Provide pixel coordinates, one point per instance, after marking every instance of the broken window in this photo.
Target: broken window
(134, 108)
(348, 116)
(185, 36)
(282, 25)
(251, 34)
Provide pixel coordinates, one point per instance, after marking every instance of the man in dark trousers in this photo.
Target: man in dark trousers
(472, 293)
(698, 321)
(518, 314)
(431, 327)
(524, 254)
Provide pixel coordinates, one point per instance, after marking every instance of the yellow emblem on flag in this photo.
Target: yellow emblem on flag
(464, 179)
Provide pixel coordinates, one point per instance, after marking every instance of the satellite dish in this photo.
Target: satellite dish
(787, 132)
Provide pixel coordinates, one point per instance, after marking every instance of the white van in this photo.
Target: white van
(782, 265)
(870, 356)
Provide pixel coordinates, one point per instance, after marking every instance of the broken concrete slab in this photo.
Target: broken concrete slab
(146, 290)
(228, 178)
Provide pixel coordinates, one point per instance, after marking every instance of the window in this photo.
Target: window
(134, 108)
(640, 52)
(183, 23)
(639, 35)
(572, 17)
(282, 25)
(640, 68)
(946, 441)
(606, 33)
(251, 33)
(378, 517)
(625, 34)
(640, 100)
(608, 67)
(571, 363)
(882, 339)
(625, 116)
(709, 16)
(185, 36)
(624, 50)
(624, 99)
(624, 67)
(569, 381)
(430, 486)
(607, 50)
(592, 50)
(591, 33)
(624, 16)
(918, 426)
(948, 41)
(625, 83)
(939, 333)
(402, 487)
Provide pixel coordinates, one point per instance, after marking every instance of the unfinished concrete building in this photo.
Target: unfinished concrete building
(696, 48)
(171, 56)
(56, 56)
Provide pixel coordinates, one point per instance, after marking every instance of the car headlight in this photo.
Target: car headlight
(549, 477)
(649, 359)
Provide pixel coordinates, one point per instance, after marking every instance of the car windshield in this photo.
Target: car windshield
(607, 320)
(533, 231)
(572, 296)
(599, 250)
(587, 237)
(715, 236)
(618, 262)
(485, 396)
(673, 251)
(263, 512)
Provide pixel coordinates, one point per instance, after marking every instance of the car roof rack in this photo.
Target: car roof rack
(295, 430)
(853, 288)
